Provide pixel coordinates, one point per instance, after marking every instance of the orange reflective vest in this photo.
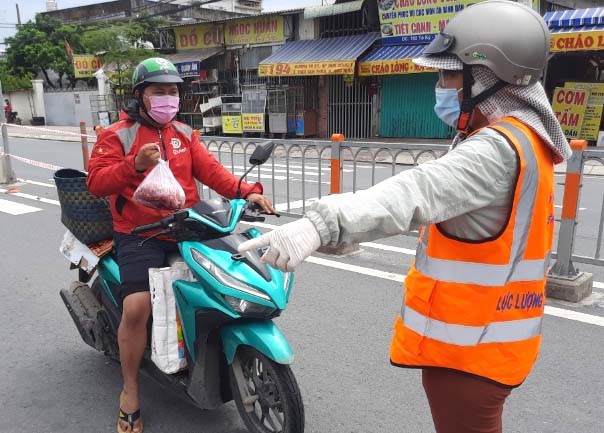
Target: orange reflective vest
(477, 306)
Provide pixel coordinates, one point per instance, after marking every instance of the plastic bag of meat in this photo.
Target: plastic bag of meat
(160, 189)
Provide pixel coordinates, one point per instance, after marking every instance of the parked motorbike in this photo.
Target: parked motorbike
(11, 117)
(234, 350)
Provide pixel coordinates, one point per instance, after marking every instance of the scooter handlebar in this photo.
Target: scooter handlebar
(178, 216)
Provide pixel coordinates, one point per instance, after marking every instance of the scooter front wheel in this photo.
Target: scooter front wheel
(266, 393)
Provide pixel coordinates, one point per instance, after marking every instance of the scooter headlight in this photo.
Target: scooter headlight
(225, 278)
(247, 308)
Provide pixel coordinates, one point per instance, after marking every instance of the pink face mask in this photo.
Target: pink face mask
(163, 108)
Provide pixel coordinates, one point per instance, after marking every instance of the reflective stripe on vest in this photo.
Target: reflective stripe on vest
(463, 335)
(183, 129)
(127, 136)
(496, 275)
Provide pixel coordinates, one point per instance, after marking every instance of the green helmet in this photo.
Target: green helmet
(155, 70)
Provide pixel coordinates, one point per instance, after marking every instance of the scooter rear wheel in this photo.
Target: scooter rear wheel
(272, 402)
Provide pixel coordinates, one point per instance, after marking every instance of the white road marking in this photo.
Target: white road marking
(560, 207)
(268, 169)
(292, 205)
(31, 197)
(33, 182)
(574, 315)
(16, 208)
(383, 247)
(264, 176)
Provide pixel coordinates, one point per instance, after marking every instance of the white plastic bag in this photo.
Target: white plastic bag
(160, 189)
(167, 341)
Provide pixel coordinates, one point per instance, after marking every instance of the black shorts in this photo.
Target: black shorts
(134, 261)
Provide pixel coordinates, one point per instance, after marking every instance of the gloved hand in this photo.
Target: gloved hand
(288, 245)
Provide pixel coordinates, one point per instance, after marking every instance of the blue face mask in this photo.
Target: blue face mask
(447, 105)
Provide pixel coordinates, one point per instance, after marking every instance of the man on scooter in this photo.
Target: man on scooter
(123, 155)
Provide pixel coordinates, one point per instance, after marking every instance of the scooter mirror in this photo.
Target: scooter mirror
(262, 153)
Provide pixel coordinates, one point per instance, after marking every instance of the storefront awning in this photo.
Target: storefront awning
(576, 30)
(331, 10)
(575, 18)
(188, 62)
(392, 60)
(329, 56)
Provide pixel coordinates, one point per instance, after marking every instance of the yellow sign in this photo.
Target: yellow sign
(593, 111)
(254, 31)
(199, 36)
(253, 122)
(416, 21)
(391, 67)
(345, 67)
(569, 106)
(577, 41)
(232, 125)
(86, 65)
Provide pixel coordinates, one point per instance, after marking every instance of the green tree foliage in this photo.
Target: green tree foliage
(39, 47)
(12, 82)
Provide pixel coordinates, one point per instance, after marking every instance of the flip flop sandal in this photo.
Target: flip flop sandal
(130, 418)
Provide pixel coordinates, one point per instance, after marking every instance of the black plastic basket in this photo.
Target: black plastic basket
(86, 216)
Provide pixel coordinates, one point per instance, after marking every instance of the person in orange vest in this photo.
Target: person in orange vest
(474, 298)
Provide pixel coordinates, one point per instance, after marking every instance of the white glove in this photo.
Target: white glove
(288, 245)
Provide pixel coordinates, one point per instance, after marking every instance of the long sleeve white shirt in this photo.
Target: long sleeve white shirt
(469, 191)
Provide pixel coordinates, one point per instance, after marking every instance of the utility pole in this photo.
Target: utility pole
(18, 14)
(6, 172)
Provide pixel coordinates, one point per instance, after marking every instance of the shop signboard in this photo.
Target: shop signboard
(391, 67)
(569, 106)
(577, 41)
(258, 30)
(85, 65)
(593, 110)
(199, 36)
(253, 122)
(344, 67)
(232, 124)
(416, 21)
(188, 69)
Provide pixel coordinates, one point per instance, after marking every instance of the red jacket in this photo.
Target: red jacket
(111, 169)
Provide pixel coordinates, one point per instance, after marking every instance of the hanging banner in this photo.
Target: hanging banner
(251, 31)
(345, 67)
(577, 41)
(391, 67)
(416, 21)
(253, 122)
(199, 36)
(593, 110)
(569, 106)
(85, 65)
(232, 124)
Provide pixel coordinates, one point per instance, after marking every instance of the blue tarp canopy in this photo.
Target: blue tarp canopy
(575, 18)
(329, 56)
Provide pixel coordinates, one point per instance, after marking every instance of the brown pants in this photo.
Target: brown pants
(461, 403)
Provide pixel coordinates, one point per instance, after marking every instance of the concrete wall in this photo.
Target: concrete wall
(20, 100)
(68, 108)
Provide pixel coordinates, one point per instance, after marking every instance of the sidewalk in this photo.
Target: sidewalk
(72, 133)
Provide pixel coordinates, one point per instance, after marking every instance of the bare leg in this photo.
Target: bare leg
(132, 339)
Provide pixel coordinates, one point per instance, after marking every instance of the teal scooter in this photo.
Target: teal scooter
(233, 348)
